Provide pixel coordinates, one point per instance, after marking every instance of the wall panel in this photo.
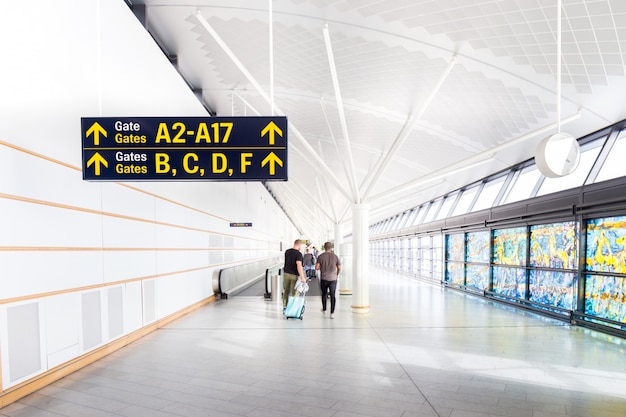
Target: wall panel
(176, 261)
(62, 329)
(115, 312)
(148, 299)
(44, 180)
(127, 233)
(125, 201)
(54, 227)
(24, 344)
(174, 237)
(123, 265)
(132, 310)
(91, 315)
(35, 272)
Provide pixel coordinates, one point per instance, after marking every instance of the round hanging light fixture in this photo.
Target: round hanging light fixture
(559, 154)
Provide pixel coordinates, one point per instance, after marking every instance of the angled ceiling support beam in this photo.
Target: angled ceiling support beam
(305, 192)
(342, 116)
(406, 199)
(331, 176)
(302, 208)
(320, 163)
(246, 102)
(344, 212)
(406, 130)
(273, 195)
(472, 161)
(321, 195)
(332, 135)
(378, 163)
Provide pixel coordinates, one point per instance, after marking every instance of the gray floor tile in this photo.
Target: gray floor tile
(420, 352)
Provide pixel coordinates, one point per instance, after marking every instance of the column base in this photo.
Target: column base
(360, 309)
(345, 292)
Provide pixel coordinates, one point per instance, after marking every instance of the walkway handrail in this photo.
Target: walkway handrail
(237, 278)
(276, 269)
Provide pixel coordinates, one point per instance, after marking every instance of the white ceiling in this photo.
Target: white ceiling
(389, 55)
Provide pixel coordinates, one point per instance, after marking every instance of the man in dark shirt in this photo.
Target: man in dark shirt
(292, 270)
(329, 265)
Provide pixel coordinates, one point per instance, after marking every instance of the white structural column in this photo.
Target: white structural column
(344, 251)
(345, 282)
(360, 261)
(338, 238)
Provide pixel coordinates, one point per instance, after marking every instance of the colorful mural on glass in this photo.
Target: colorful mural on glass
(606, 245)
(509, 246)
(552, 288)
(455, 273)
(477, 246)
(455, 249)
(478, 276)
(509, 281)
(554, 245)
(606, 297)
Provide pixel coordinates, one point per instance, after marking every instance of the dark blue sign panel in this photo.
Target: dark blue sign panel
(246, 224)
(184, 149)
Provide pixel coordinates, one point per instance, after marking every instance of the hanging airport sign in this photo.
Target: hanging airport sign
(184, 149)
(241, 224)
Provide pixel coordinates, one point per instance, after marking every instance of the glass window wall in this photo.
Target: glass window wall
(465, 201)
(444, 211)
(488, 195)
(523, 184)
(614, 165)
(576, 178)
(432, 211)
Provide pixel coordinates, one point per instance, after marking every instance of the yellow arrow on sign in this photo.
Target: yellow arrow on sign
(272, 159)
(96, 130)
(97, 160)
(272, 129)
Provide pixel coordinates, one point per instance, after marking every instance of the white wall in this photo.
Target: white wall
(82, 263)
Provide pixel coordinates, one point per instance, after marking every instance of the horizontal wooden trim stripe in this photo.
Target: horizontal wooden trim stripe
(139, 190)
(119, 216)
(75, 168)
(120, 282)
(39, 155)
(28, 387)
(97, 249)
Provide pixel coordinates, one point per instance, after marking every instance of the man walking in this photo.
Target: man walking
(329, 265)
(309, 264)
(292, 270)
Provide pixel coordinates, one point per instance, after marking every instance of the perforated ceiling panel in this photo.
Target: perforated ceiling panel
(389, 56)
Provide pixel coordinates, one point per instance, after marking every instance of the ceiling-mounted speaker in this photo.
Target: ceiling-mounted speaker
(558, 155)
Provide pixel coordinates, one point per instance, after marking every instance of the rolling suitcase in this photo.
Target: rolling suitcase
(296, 305)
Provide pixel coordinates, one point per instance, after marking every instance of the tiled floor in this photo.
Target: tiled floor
(421, 351)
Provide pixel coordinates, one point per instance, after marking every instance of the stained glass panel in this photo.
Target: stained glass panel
(606, 245)
(455, 249)
(477, 244)
(552, 288)
(478, 276)
(606, 297)
(455, 273)
(554, 245)
(509, 281)
(509, 246)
